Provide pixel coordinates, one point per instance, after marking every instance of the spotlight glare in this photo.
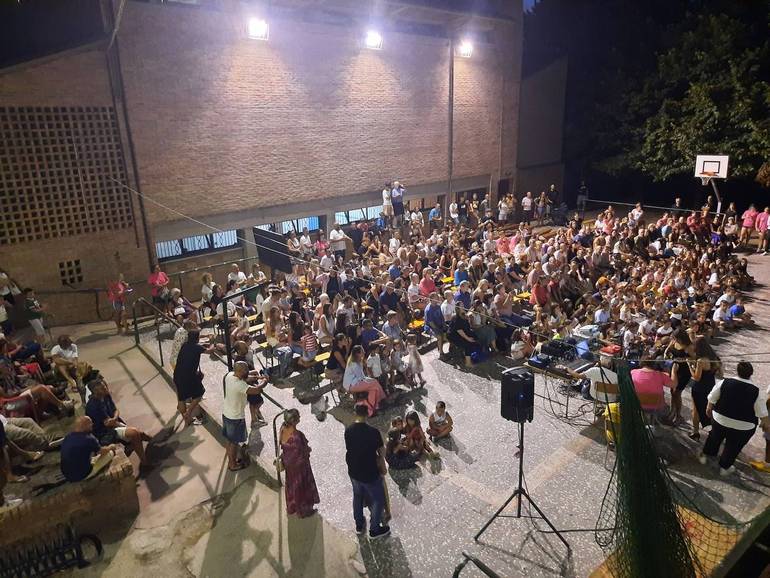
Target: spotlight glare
(258, 29)
(466, 49)
(374, 40)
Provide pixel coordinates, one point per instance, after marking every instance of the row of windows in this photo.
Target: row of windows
(202, 243)
(196, 244)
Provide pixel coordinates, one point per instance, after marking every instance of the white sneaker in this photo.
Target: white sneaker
(724, 473)
(12, 503)
(703, 458)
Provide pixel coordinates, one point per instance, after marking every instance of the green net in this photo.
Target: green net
(649, 525)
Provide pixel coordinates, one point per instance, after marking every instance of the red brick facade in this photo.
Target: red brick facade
(223, 124)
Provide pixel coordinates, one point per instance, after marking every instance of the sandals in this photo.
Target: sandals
(36, 456)
(238, 466)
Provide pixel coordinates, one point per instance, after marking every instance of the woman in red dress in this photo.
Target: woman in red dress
(301, 491)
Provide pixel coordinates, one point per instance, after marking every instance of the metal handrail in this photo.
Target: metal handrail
(95, 291)
(173, 321)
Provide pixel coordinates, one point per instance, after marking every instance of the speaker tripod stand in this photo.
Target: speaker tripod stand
(519, 493)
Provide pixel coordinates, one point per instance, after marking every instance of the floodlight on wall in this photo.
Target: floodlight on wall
(257, 29)
(465, 49)
(373, 40)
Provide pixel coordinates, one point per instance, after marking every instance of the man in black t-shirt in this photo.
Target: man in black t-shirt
(365, 457)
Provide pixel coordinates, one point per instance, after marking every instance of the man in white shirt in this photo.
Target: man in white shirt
(395, 243)
(337, 241)
(454, 213)
(238, 385)
(65, 359)
(526, 207)
(327, 261)
(387, 203)
(735, 406)
(306, 244)
(598, 374)
(236, 275)
(448, 307)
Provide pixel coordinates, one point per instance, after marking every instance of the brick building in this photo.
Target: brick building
(301, 128)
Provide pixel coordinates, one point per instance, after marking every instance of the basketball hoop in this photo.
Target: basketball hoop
(706, 176)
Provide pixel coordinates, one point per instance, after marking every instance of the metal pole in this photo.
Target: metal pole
(157, 335)
(226, 329)
(136, 325)
(450, 128)
(179, 278)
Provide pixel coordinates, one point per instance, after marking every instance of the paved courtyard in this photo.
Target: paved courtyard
(439, 506)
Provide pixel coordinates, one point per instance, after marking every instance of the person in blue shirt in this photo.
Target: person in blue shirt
(434, 319)
(108, 426)
(461, 274)
(394, 271)
(78, 450)
(389, 299)
(370, 335)
(463, 295)
(434, 217)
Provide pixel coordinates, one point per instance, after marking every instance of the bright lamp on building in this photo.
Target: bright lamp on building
(374, 40)
(258, 29)
(466, 49)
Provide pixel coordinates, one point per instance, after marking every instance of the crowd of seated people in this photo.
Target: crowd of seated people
(659, 286)
(653, 284)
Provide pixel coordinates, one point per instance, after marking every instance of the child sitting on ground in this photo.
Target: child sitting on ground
(440, 422)
(397, 452)
(415, 437)
(413, 362)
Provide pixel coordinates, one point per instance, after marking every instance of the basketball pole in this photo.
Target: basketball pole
(716, 192)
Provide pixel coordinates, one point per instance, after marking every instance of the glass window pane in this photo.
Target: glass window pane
(341, 218)
(168, 249)
(196, 243)
(356, 215)
(225, 239)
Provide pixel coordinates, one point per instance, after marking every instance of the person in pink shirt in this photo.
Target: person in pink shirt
(158, 282)
(648, 380)
(749, 219)
(761, 226)
(503, 244)
(427, 284)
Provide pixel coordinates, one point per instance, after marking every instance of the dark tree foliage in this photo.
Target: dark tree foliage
(653, 83)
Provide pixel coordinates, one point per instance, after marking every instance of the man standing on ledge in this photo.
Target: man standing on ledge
(734, 406)
(365, 456)
(337, 238)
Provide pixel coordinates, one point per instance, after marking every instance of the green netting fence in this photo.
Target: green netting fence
(657, 529)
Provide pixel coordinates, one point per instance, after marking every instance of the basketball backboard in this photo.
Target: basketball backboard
(713, 166)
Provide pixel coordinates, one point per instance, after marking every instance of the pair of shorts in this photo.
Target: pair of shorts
(234, 430)
(37, 325)
(118, 306)
(308, 358)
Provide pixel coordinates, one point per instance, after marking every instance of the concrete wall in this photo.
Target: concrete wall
(541, 127)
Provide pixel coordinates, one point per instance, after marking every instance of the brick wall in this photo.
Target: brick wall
(91, 506)
(222, 122)
(74, 78)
